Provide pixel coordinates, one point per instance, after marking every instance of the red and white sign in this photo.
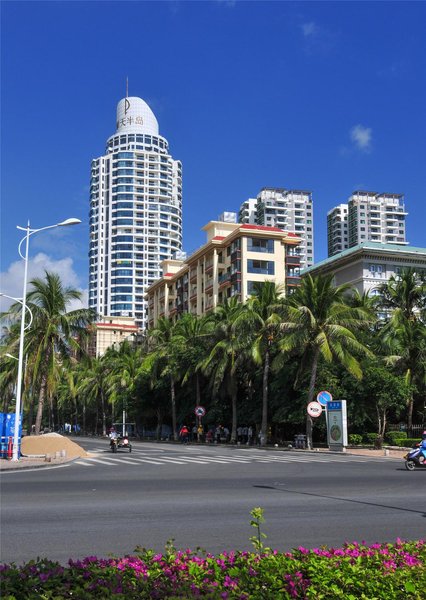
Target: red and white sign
(314, 409)
(200, 411)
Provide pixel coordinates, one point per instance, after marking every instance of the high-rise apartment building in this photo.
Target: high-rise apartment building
(290, 210)
(135, 213)
(367, 217)
(337, 229)
(234, 259)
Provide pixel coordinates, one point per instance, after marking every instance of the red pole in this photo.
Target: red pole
(9, 448)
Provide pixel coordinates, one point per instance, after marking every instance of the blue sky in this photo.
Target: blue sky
(323, 96)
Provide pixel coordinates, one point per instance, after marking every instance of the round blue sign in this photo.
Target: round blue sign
(324, 397)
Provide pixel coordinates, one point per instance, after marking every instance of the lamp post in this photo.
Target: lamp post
(26, 238)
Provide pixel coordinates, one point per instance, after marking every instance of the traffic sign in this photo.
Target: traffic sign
(324, 397)
(314, 409)
(200, 411)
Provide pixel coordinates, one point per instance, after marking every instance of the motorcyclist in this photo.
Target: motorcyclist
(422, 445)
(113, 435)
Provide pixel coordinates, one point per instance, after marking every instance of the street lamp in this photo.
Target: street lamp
(19, 300)
(26, 238)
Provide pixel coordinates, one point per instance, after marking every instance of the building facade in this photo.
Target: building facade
(290, 210)
(337, 229)
(109, 331)
(370, 264)
(235, 257)
(368, 216)
(135, 213)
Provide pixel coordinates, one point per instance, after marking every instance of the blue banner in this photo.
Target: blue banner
(7, 430)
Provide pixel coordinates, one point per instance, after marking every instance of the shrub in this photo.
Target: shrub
(393, 436)
(380, 571)
(370, 438)
(355, 439)
(407, 442)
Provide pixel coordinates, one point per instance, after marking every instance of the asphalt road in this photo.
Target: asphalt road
(202, 496)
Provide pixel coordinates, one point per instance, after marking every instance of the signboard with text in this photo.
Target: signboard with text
(337, 425)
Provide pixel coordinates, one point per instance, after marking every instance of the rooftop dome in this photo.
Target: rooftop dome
(135, 116)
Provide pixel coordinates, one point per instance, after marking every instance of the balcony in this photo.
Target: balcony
(292, 280)
(292, 259)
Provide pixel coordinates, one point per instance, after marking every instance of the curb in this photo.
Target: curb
(26, 466)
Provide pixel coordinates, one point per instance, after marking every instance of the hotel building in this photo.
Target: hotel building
(135, 213)
(290, 210)
(235, 257)
(368, 216)
(370, 264)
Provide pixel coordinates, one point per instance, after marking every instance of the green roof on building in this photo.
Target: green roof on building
(395, 248)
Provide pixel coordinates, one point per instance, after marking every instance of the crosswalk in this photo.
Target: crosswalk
(140, 458)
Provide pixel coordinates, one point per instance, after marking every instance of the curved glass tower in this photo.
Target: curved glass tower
(135, 213)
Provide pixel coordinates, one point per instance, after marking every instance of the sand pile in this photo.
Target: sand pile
(50, 443)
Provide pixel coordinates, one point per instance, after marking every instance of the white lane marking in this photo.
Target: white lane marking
(101, 462)
(316, 458)
(234, 459)
(134, 460)
(193, 459)
(216, 460)
(172, 461)
(84, 464)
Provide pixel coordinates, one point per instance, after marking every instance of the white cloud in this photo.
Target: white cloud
(309, 29)
(12, 280)
(361, 136)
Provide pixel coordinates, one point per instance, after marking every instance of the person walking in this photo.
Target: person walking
(249, 436)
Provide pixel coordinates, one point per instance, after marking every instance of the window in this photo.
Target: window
(260, 245)
(251, 291)
(376, 269)
(261, 267)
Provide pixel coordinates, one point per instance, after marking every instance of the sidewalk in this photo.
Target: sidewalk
(27, 462)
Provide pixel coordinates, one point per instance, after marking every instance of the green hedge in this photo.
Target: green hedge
(407, 442)
(379, 571)
(355, 439)
(393, 436)
(370, 438)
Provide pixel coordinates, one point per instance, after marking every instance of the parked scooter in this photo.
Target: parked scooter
(415, 459)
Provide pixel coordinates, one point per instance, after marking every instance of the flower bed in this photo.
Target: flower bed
(379, 571)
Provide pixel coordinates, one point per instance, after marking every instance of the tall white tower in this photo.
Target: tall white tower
(135, 213)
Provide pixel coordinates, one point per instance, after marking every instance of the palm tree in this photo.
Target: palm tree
(404, 294)
(193, 333)
(54, 332)
(319, 323)
(124, 366)
(162, 360)
(263, 317)
(95, 388)
(403, 335)
(228, 353)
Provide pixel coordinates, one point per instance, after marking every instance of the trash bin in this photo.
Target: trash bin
(300, 441)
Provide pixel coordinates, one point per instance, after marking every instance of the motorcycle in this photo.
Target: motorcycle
(120, 442)
(415, 459)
